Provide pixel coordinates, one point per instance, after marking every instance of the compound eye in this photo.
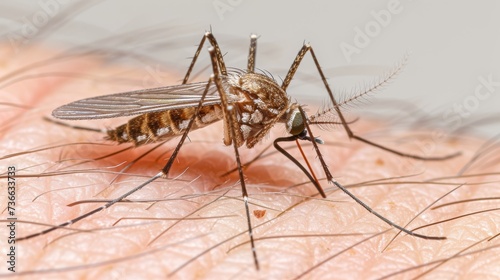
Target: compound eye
(295, 124)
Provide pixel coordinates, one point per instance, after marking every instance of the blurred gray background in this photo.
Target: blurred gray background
(453, 71)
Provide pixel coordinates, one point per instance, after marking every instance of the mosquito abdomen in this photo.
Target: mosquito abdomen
(157, 126)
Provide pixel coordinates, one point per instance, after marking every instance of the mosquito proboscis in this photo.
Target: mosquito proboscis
(248, 103)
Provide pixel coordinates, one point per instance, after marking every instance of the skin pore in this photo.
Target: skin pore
(298, 230)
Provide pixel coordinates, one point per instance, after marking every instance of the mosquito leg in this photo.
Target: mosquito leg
(163, 173)
(231, 127)
(286, 82)
(360, 202)
(292, 159)
(243, 190)
(251, 53)
(74, 126)
(248, 163)
(90, 213)
(172, 158)
(220, 61)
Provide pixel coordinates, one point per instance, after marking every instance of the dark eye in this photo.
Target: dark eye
(295, 122)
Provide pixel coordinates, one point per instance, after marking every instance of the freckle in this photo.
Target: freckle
(392, 205)
(379, 162)
(259, 213)
(453, 141)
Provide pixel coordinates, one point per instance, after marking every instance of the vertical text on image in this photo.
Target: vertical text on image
(11, 217)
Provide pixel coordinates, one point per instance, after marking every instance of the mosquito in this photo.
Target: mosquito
(248, 103)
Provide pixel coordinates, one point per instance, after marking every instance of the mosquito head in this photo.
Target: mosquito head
(295, 124)
(294, 121)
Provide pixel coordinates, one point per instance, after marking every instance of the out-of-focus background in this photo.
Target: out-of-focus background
(453, 71)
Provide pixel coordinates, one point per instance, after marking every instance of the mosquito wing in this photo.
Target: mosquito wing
(138, 102)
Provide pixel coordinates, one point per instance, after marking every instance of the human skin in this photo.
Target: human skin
(318, 234)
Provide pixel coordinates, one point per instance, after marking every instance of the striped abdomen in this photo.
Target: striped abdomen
(152, 127)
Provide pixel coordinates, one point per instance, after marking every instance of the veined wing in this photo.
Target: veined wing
(138, 102)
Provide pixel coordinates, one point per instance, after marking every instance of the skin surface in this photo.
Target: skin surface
(296, 233)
